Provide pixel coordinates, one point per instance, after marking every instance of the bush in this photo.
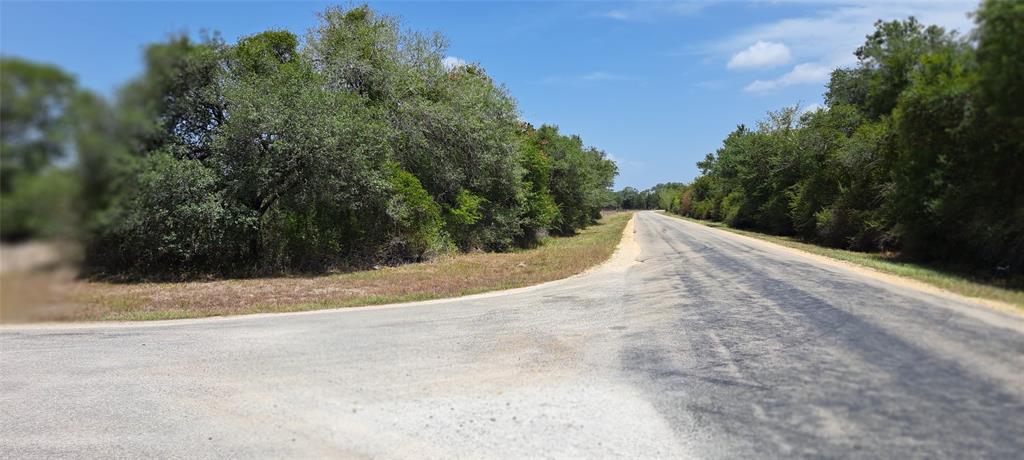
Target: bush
(173, 222)
(417, 229)
(463, 216)
(40, 206)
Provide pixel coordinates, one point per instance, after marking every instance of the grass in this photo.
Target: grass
(890, 263)
(458, 275)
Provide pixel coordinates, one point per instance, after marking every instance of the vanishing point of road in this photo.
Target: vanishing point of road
(690, 342)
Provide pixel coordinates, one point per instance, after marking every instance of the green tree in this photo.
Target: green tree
(579, 178)
(34, 136)
(175, 222)
(358, 147)
(885, 62)
(34, 112)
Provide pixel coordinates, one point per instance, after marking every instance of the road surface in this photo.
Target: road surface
(691, 342)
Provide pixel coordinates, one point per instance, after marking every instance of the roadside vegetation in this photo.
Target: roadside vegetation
(55, 296)
(914, 165)
(359, 144)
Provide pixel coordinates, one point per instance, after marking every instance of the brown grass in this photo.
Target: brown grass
(446, 277)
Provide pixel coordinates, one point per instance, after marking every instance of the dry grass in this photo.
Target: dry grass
(447, 277)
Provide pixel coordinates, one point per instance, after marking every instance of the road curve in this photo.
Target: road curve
(694, 343)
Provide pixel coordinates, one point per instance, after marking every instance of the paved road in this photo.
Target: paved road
(692, 342)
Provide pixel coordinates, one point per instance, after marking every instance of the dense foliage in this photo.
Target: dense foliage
(920, 149)
(355, 145)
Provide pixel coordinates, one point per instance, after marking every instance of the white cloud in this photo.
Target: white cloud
(760, 55)
(827, 37)
(839, 30)
(812, 107)
(451, 62)
(653, 11)
(603, 76)
(805, 73)
(592, 77)
(619, 15)
(623, 163)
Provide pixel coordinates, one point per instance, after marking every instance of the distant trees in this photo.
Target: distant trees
(662, 196)
(34, 109)
(920, 149)
(265, 155)
(578, 176)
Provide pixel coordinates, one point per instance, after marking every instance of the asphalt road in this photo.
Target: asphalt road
(691, 342)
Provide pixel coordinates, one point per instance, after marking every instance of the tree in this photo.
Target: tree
(919, 150)
(359, 147)
(953, 129)
(34, 111)
(34, 137)
(887, 58)
(176, 221)
(579, 178)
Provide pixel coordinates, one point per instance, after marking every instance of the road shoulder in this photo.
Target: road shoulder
(989, 305)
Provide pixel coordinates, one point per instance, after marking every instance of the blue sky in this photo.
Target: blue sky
(656, 85)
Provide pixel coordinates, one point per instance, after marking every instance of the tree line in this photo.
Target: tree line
(355, 145)
(919, 150)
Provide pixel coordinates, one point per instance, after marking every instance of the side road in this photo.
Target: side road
(703, 343)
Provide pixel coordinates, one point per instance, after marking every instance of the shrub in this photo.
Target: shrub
(40, 206)
(174, 221)
(417, 228)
